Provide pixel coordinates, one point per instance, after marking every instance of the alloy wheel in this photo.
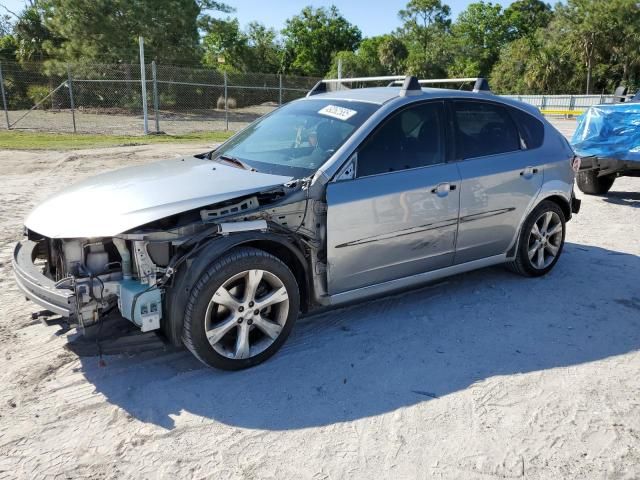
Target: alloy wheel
(545, 240)
(246, 314)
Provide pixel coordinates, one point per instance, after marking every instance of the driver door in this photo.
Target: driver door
(399, 216)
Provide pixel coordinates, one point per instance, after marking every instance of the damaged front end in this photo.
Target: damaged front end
(84, 279)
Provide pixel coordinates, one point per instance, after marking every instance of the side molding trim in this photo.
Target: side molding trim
(412, 281)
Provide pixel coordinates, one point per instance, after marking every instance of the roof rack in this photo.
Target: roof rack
(480, 83)
(410, 84)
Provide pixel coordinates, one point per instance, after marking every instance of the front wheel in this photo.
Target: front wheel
(590, 183)
(541, 240)
(241, 310)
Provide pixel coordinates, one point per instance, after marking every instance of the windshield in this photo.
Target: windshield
(296, 139)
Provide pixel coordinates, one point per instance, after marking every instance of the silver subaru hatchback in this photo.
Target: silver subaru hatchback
(340, 196)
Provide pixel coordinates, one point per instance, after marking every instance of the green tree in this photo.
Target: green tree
(543, 63)
(589, 25)
(8, 48)
(8, 44)
(225, 45)
(32, 35)
(425, 32)
(524, 17)
(313, 37)
(353, 65)
(228, 48)
(392, 54)
(380, 55)
(108, 30)
(478, 35)
(619, 56)
(265, 52)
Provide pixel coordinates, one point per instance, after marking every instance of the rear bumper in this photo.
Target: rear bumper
(37, 287)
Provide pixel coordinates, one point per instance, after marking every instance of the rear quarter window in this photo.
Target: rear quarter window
(483, 129)
(531, 129)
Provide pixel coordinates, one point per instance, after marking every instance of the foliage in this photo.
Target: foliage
(8, 48)
(587, 46)
(392, 53)
(228, 48)
(313, 37)
(535, 64)
(478, 35)
(37, 93)
(109, 30)
(265, 50)
(225, 45)
(425, 32)
(606, 33)
(31, 35)
(527, 47)
(523, 17)
(381, 55)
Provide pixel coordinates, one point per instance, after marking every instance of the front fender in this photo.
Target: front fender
(177, 295)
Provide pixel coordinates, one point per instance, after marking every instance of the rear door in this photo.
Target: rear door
(398, 216)
(500, 177)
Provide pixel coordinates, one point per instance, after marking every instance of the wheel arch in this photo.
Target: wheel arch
(561, 201)
(556, 196)
(177, 295)
(292, 257)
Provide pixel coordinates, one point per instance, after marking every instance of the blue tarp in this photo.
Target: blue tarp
(609, 131)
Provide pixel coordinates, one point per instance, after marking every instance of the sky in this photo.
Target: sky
(373, 17)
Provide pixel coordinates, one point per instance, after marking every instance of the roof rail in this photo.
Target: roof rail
(409, 83)
(480, 83)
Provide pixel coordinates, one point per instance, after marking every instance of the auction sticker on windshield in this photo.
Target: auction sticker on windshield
(340, 113)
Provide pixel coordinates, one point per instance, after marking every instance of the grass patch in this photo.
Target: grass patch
(12, 140)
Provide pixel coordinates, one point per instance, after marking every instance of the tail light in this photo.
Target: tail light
(576, 162)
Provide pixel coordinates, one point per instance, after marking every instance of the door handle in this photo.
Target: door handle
(528, 172)
(443, 189)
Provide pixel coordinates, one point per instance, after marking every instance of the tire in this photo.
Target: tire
(590, 183)
(246, 303)
(536, 233)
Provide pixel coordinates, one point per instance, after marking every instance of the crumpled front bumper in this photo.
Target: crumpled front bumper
(36, 286)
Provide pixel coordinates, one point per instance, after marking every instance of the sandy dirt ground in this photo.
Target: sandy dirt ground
(486, 375)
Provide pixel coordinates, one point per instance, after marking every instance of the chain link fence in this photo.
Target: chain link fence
(101, 98)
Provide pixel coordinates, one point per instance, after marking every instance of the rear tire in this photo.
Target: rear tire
(541, 240)
(241, 310)
(590, 183)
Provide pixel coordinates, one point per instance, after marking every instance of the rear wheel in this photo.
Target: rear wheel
(541, 240)
(590, 183)
(241, 310)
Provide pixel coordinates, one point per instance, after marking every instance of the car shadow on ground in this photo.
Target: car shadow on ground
(628, 199)
(383, 355)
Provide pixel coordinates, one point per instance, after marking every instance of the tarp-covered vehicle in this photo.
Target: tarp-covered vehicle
(608, 140)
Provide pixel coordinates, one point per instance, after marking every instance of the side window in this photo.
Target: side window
(411, 138)
(484, 129)
(531, 129)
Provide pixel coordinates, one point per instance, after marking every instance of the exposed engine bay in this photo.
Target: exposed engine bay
(132, 271)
